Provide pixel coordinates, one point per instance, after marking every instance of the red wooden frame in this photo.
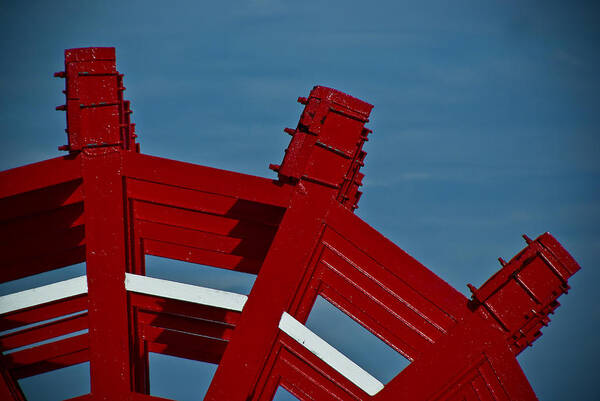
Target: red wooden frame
(107, 204)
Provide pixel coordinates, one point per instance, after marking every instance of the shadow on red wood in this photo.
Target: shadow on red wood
(136, 220)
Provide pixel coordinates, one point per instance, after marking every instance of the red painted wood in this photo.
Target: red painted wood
(38, 176)
(198, 200)
(85, 397)
(140, 366)
(43, 312)
(187, 324)
(145, 397)
(43, 332)
(40, 200)
(253, 247)
(309, 367)
(45, 223)
(183, 345)
(106, 266)
(51, 364)
(47, 357)
(42, 243)
(109, 206)
(132, 397)
(201, 256)
(35, 264)
(9, 389)
(221, 225)
(297, 373)
(206, 179)
(171, 306)
(375, 246)
(255, 334)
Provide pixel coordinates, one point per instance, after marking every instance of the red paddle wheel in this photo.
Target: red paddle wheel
(108, 205)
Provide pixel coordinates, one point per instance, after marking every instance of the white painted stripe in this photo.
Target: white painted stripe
(43, 294)
(184, 292)
(329, 354)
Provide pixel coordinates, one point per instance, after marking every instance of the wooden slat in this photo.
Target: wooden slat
(43, 312)
(186, 324)
(252, 247)
(206, 202)
(183, 345)
(47, 222)
(49, 365)
(36, 264)
(187, 175)
(39, 175)
(46, 357)
(37, 244)
(201, 221)
(43, 332)
(40, 200)
(170, 306)
(403, 306)
(365, 240)
(203, 257)
(374, 317)
(307, 366)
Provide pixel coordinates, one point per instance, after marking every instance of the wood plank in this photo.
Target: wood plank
(40, 200)
(206, 202)
(39, 175)
(202, 257)
(206, 179)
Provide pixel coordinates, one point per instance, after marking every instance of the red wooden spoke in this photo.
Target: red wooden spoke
(109, 341)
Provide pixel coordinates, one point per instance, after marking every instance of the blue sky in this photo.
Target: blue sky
(485, 122)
